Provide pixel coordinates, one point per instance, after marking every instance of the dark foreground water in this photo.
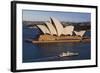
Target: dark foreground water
(50, 51)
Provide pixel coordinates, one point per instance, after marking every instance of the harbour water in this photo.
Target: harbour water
(50, 51)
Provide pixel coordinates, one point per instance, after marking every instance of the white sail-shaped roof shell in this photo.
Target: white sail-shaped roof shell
(51, 28)
(43, 28)
(68, 30)
(58, 26)
(80, 33)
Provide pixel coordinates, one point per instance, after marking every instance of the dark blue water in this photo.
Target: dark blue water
(50, 51)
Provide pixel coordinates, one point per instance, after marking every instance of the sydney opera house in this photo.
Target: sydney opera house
(55, 31)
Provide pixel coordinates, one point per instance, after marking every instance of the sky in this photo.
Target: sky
(33, 15)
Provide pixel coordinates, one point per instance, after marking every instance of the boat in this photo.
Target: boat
(68, 54)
